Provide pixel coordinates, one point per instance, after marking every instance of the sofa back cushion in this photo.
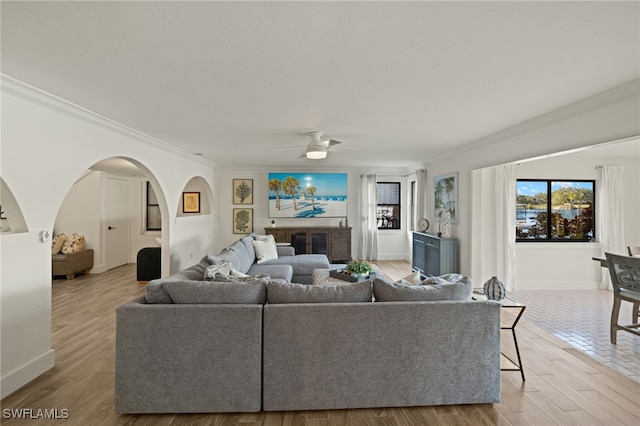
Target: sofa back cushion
(278, 293)
(239, 254)
(214, 292)
(154, 291)
(386, 291)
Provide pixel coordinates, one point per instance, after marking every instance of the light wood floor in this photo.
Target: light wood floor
(563, 386)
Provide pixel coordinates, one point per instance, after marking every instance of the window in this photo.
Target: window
(154, 219)
(388, 205)
(555, 210)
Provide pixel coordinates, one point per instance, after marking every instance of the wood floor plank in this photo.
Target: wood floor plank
(564, 386)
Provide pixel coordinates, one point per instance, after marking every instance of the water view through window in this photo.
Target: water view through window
(555, 210)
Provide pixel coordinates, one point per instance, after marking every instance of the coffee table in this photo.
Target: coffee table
(324, 277)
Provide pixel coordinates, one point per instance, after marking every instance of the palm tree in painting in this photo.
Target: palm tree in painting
(275, 185)
(450, 186)
(439, 193)
(290, 187)
(312, 192)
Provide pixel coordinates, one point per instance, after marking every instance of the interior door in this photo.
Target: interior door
(116, 221)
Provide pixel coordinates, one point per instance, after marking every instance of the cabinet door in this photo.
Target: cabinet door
(279, 234)
(433, 257)
(419, 254)
(340, 245)
(319, 242)
(299, 241)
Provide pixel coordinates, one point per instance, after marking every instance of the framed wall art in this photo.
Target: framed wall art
(242, 221)
(190, 202)
(445, 196)
(243, 191)
(307, 195)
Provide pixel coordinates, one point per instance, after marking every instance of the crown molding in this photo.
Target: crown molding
(614, 95)
(26, 92)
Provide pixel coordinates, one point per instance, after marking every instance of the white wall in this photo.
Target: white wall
(605, 117)
(391, 243)
(80, 213)
(47, 144)
(570, 265)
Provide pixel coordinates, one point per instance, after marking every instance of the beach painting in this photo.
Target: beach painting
(302, 195)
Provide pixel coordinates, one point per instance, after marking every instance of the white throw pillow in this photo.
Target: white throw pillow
(411, 279)
(266, 249)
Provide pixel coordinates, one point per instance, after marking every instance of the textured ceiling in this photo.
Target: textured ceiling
(398, 82)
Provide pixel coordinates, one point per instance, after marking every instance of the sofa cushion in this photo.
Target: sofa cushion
(303, 264)
(386, 291)
(213, 292)
(265, 248)
(58, 241)
(278, 293)
(284, 272)
(239, 255)
(155, 293)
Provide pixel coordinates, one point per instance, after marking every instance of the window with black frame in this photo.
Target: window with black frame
(388, 210)
(555, 210)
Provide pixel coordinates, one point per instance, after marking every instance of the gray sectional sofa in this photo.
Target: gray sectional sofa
(264, 344)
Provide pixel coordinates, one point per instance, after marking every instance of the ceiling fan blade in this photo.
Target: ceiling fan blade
(333, 142)
(282, 148)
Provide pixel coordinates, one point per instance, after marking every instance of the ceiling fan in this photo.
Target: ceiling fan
(316, 149)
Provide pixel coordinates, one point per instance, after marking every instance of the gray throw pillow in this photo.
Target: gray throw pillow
(212, 292)
(385, 291)
(278, 293)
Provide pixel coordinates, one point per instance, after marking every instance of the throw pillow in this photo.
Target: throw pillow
(211, 292)
(279, 293)
(385, 291)
(237, 274)
(58, 241)
(73, 243)
(411, 279)
(444, 279)
(223, 268)
(265, 248)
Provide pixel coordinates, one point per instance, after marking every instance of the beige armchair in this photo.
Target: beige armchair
(72, 263)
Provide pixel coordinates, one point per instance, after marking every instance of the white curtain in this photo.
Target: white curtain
(609, 217)
(506, 176)
(368, 243)
(421, 194)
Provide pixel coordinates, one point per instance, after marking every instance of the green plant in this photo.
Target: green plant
(359, 267)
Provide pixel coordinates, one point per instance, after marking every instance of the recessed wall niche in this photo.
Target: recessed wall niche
(11, 218)
(197, 185)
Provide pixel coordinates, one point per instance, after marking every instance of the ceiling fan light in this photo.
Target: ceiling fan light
(316, 155)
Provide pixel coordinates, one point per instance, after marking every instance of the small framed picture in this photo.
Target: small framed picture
(190, 202)
(242, 221)
(243, 191)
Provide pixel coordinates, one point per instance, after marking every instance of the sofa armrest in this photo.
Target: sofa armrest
(286, 251)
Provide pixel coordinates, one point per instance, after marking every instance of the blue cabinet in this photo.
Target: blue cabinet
(434, 256)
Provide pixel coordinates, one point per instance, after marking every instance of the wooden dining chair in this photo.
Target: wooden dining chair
(633, 251)
(625, 279)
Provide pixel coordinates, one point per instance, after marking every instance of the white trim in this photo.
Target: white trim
(619, 93)
(24, 91)
(19, 377)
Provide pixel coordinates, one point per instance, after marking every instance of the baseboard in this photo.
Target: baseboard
(23, 375)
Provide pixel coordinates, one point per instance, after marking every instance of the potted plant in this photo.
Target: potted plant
(358, 268)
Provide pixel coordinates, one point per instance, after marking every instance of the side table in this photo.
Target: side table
(510, 315)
